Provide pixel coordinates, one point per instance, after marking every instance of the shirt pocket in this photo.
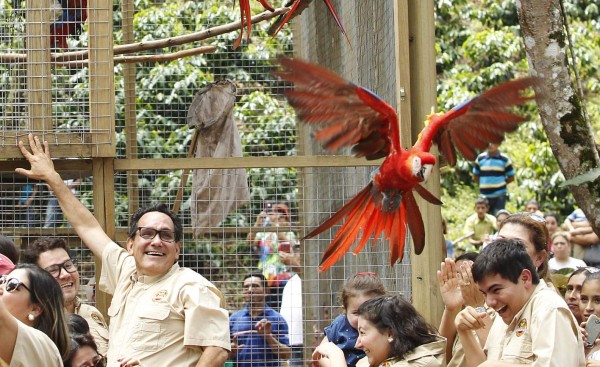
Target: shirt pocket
(519, 350)
(148, 329)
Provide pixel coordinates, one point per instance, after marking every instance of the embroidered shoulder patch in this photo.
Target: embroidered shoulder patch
(521, 327)
(97, 318)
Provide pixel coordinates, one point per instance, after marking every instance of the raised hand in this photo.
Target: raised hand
(450, 285)
(42, 167)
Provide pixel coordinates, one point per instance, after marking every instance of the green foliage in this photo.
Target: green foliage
(478, 45)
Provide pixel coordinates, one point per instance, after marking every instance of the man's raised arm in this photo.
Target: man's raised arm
(42, 168)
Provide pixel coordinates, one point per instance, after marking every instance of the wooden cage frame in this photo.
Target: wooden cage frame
(415, 59)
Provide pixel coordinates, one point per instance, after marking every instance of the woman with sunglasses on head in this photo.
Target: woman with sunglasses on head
(531, 230)
(32, 318)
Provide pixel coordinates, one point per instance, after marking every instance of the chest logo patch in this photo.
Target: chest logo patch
(521, 327)
(160, 295)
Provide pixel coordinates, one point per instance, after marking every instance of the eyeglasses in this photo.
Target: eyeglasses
(165, 235)
(12, 284)
(70, 266)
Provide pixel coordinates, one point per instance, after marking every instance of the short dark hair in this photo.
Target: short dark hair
(505, 257)
(261, 276)
(408, 327)
(77, 324)
(158, 207)
(9, 249)
(32, 254)
(482, 201)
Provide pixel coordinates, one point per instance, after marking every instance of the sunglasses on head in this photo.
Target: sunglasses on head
(12, 284)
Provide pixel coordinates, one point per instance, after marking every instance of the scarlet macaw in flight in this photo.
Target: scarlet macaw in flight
(349, 115)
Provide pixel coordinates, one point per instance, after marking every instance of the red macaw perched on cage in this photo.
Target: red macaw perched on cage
(246, 17)
(69, 23)
(297, 7)
(349, 115)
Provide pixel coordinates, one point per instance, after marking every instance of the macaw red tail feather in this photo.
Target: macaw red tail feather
(415, 221)
(337, 20)
(356, 219)
(398, 236)
(342, 213)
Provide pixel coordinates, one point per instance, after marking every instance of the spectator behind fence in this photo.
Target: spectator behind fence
(533, 325)
(268, 243)
(343, 331)
(392, 333)
(25, 205)
(562, 251)
(259, 333)
(493, 171)
(52, 255)
(33, 326)
(9, 249)
(150, 291)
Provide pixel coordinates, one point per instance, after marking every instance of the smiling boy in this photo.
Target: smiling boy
(534, 326)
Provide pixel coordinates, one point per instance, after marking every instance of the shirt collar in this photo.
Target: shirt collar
(151, 279)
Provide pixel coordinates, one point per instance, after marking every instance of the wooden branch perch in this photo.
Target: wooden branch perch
(147, 58)
(81, 56)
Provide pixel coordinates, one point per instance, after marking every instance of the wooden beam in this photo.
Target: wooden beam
(426, 296)
(241, 162)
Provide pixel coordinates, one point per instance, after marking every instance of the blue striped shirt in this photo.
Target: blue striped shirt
(493, 172)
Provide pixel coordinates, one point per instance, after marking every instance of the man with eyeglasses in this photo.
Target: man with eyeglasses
(160, 314)
(52, 255)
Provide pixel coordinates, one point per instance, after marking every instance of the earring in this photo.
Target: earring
(30, 317)
(390, 339)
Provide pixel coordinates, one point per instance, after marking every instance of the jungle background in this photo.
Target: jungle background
(478, 45)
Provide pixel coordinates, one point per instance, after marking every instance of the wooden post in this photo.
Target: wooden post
(102, 75)
(39, 82)
(130, 109)
(426, 296)
(102, 117)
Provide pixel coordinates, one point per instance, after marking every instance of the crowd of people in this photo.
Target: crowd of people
(501, 305)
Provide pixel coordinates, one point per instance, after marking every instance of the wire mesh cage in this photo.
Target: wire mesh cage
(271, 191)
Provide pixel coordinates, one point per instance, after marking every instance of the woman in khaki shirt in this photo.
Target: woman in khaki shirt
(32, 319)
(393, 334)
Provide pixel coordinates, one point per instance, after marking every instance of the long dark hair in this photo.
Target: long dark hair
(408, 327)
(47, 294)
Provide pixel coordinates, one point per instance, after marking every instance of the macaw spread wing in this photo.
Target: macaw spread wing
(344, 114)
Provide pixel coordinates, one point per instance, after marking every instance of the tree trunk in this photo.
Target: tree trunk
(570, 135)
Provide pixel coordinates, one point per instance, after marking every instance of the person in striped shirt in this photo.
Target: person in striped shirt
(493, 171)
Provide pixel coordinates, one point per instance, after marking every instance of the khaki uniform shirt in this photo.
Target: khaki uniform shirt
(161, 320)
(95, 320)
(34, 348)
(458, 354)
(544, 333)
(427, 355)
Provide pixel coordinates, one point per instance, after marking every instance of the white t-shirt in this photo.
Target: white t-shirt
(291, 309)
(572, 263)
